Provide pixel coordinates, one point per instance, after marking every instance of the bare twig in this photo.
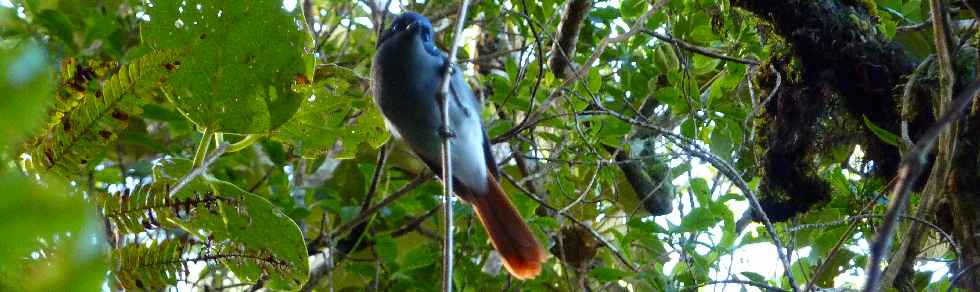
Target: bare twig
(533, 118)
(942, 233)
(700, 50)
(316, 244)
(914, 162)
(602, 240)
(742, 282)
(414, 223)
(694, 149)
(912, 166)
(379, 166)
(958, 276)
(447, 164)
(199, 170)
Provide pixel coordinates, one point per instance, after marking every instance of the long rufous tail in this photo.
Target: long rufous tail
(508, 233)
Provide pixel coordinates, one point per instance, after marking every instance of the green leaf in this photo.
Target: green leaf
(671, 96)
(699, 219)
(701, 190)
(59, 25)
(633, 8)
(265, 232)
(38, 218)
(884, 135)
(418, 257)
(721, 142)
(79, 133)
(25, 80)
(606, 274)
(754, 277)
(334, 109)
(387, 249)
(595, 80)
(239, 224)
(243, 59)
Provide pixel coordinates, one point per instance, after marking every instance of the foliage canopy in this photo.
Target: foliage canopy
(230, 144)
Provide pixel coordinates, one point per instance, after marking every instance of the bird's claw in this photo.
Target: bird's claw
(446, 133)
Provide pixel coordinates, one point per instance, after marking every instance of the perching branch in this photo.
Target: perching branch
(447, 162)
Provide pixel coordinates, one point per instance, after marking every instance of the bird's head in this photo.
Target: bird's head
(411, 24)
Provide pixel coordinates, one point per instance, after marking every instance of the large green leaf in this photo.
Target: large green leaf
(25, 79)
(47, 238)
(240, 225)
(335, 109)
(243, 59)
(267, 235)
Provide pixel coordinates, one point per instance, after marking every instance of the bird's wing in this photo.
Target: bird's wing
(465, 99)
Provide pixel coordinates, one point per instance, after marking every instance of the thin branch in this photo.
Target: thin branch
(942, 233)
(316, 244)
(533, 118)
(958, 276)
(700, 50)
(914, 163)
(379, 166)
(414, 223)
(742, 282)
(602, 240)
(694, 149)
(909, 172)
(200, 169)
(447, 161)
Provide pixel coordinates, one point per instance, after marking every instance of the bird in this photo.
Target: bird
(406, 75)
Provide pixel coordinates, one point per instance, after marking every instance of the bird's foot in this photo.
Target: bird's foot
(446, 133)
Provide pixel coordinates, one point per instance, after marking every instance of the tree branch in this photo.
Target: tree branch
(602, 240)
(700, 50)
(564, 46)
(911, 168)
(694, 149)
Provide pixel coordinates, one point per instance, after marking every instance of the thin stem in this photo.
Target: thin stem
(447, 165)
(202, 147)
(914, 162)
(198, 170)
(912, 166)
(245, 142)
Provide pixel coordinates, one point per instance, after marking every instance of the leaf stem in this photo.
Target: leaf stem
(244, 143)
(202, 147)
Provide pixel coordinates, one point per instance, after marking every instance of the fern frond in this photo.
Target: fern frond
(236, 253)
(87, 123)
(147, 267)
(149, 207)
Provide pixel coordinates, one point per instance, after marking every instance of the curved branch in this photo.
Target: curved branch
(564, 47)
(912, 167)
